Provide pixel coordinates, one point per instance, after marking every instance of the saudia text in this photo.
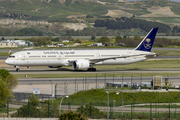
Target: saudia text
(62, 53)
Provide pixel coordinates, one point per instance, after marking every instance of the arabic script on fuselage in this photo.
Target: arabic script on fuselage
(55, 52)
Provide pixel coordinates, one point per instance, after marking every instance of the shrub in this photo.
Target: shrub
(72, 116)
(96, 113)
(30, 109)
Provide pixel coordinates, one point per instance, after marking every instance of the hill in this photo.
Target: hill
(62, 15)
(58, 9)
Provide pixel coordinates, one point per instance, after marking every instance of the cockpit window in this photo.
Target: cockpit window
(11, 56)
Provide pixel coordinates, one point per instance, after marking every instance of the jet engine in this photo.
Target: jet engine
(80, 64)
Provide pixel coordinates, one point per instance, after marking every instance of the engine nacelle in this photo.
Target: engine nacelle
(81, 64)
(54, 66)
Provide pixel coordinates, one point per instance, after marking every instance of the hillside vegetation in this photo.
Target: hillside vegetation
(77, 17)
(58, 9)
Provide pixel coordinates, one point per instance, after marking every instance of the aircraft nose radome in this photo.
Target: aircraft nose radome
(7, 61)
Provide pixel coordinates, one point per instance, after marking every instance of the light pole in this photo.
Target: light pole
(114, 107)
(122, 102)
(60, 104)
(96, 80)
(52, 90)
(107, 105)
(122, 82)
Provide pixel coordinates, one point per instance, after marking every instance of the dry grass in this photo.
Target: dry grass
(118, 13)
(2, 64)
(158, 11)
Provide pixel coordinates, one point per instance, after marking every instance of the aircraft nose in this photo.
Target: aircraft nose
(7, 61)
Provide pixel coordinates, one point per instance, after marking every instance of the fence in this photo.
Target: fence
(131, 109)
(23, 97)
(115, 82)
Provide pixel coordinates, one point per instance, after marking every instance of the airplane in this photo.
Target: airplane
(84, 59)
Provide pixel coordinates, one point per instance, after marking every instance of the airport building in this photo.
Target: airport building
(4, 44)
(14, 43)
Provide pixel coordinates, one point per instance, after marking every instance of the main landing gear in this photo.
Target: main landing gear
(91, 69)
(17, 68)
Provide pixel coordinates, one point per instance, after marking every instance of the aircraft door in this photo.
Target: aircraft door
(22, 57)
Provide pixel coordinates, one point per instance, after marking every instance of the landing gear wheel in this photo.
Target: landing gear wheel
(17, 69)
(91, 69)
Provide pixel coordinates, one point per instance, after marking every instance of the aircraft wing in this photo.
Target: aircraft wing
(94, 60)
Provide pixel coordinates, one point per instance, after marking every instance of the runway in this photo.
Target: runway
(27, 71)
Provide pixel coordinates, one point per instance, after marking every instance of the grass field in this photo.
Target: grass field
(167, 20)
(99, 97)
(167, 52)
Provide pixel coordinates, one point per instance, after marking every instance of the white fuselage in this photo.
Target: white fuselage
(62, 57)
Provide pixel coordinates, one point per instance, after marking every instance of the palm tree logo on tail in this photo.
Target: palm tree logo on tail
(147, 43)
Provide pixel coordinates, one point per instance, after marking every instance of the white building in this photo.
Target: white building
(4, 44)
(21, 43)
(65, 41)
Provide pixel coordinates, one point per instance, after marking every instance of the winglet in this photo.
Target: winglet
(147, 43)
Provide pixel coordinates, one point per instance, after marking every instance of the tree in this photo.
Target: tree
(118, 39)
(89, 16)
(4, 93)
(11, 81)
(78, 40)
(30, 109)
(7, 83)
(34, 100)
(93, 37)
(96, 113)
(2, 38)
(4, 73)
(104, 39)
(137, 37)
